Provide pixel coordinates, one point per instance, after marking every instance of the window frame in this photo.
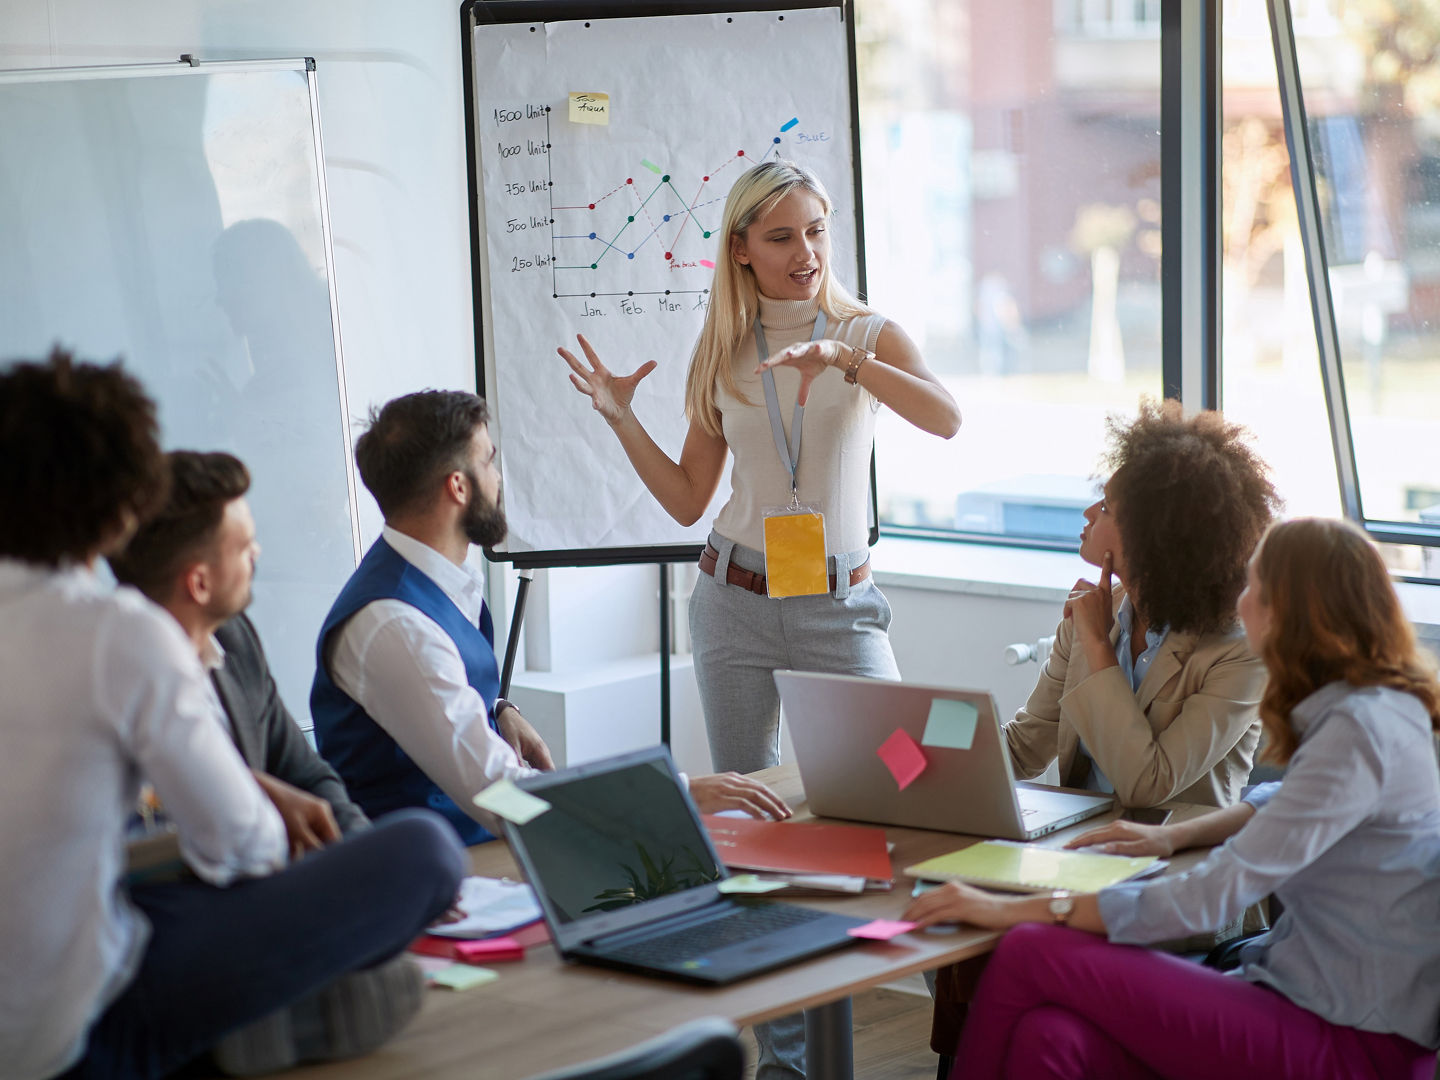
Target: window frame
(1322, 304)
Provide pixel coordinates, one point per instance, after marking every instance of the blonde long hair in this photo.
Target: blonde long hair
(734, 297)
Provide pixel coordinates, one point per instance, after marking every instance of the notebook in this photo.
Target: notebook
(627, 877)
(789, 847)
(1003, 864)
(919, 756)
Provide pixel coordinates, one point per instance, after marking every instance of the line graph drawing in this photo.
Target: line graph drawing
(645, 220)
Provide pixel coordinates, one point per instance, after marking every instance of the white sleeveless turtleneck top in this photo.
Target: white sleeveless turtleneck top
(839, 429)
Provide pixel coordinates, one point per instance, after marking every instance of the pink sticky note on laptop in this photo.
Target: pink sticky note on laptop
(903, 757)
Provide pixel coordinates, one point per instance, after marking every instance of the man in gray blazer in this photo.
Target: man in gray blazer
(196, 559)
(263, 730)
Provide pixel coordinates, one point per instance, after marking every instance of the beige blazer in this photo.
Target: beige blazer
(1188, 733)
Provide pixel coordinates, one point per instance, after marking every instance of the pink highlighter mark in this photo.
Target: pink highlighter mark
(707, 264)
(903, 757)
(881, 930)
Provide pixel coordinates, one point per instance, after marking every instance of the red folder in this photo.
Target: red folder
(800, 848)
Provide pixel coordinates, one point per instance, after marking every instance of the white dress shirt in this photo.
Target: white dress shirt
(399, 666)
(101, 692)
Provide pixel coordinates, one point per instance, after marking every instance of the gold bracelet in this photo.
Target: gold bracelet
(858, 356)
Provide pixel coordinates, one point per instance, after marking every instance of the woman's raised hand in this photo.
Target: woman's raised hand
(810, 358)
(609, 393)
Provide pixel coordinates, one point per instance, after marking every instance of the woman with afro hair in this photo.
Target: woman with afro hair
(1151, 691)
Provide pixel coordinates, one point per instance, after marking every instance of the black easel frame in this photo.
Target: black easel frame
(492, 12)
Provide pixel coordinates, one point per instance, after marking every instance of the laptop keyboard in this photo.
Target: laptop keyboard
(746, 924)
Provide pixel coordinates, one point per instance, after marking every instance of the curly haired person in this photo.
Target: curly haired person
(1151, 691)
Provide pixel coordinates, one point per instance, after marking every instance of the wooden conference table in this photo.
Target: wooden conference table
(543, 1014)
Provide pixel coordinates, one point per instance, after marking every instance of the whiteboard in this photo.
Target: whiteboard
(612, 230)
(174, 216)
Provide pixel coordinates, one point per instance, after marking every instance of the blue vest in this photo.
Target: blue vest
(379, 775)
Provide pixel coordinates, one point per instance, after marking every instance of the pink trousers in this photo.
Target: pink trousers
(1062, 1003)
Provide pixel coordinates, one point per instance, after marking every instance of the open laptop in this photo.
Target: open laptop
(838, 722)
(627, 877)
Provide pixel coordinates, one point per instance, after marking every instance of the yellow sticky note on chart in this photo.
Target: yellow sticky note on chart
(795, 555)
(504, 799)
(589, 108)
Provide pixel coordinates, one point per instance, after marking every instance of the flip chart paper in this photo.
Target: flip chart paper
(505, 800)
(951, 724)
(589, 108)
(881, 929)
(557, 199)
(903, 757)
(749, 883)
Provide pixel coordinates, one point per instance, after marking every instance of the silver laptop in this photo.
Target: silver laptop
(838, 724)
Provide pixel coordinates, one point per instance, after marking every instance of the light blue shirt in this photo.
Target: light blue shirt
(1134, 672)
(1350, 843)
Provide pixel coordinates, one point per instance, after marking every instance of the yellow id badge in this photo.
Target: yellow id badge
(795, 562)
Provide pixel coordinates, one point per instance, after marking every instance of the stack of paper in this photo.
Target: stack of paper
(491, 906)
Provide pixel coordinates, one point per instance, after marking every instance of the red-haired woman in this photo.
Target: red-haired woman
(1347, 984)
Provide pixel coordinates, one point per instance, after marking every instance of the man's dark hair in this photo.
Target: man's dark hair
(79, 454)
(201, 486)
(415, 441)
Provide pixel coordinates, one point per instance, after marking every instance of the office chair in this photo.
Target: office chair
(704, 1049)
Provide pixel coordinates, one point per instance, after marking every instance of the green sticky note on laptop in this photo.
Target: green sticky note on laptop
(505, 800)
(951, 724)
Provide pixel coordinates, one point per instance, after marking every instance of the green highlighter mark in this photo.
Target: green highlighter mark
(951, 724)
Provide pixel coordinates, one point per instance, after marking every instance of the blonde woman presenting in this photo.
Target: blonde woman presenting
(785, 580)
(777, 312)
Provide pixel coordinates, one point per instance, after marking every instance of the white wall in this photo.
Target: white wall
(391, 109)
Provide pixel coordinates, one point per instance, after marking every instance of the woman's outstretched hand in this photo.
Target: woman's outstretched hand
(809, 358)
(1128, 838)
(609, 393)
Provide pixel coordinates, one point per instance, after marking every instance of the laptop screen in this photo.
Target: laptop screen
(613, 838)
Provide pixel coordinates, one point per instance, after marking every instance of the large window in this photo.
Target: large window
(1368, 75)
(1011, 157)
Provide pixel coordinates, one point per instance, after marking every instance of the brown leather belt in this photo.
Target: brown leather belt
(748, 579)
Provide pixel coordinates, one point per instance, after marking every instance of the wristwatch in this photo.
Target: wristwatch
(858, 356)
(501, 704)
(1062, 906)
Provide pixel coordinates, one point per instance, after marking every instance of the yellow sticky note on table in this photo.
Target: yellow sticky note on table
(462, 977)
(589, 108)
(795, 555)
(504, 799)
(748, 884)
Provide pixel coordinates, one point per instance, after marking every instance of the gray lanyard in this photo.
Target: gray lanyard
(789, 453)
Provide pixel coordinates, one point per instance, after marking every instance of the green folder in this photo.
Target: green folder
(1004, 864)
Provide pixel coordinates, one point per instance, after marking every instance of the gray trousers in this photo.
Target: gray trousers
(739, 639)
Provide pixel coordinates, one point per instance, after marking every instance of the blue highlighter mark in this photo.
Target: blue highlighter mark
(789, 124)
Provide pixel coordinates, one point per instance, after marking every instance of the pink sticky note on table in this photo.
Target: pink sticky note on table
(489, 950)
(881, 929)
(903, 757)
